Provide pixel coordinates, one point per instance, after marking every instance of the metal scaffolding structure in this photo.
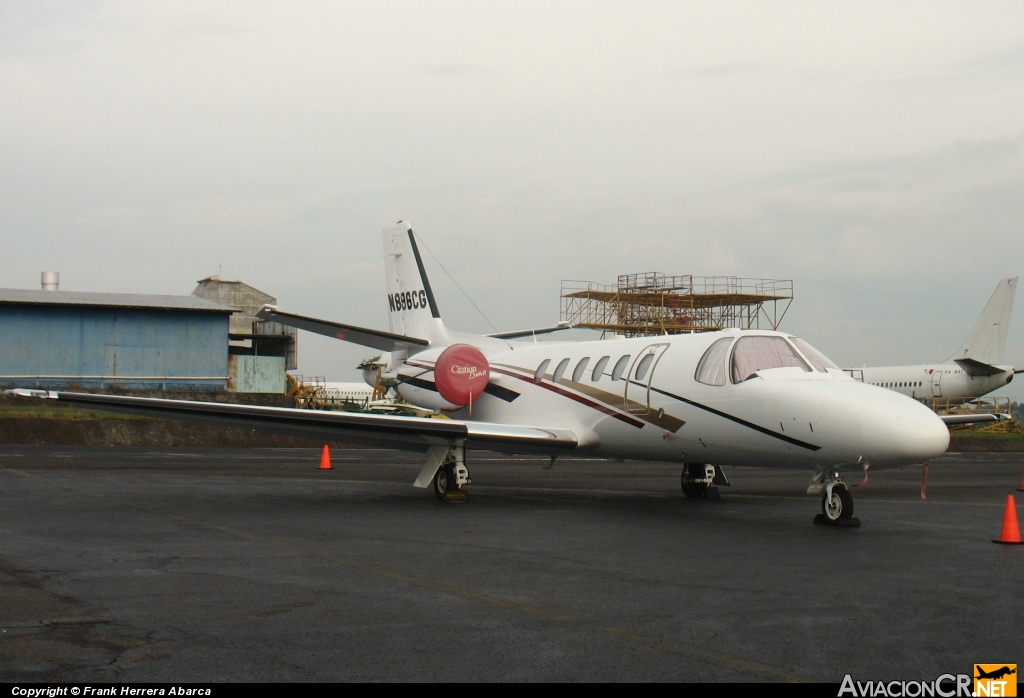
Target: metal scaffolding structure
(652, 303)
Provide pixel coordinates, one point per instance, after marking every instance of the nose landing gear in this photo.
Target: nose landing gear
(836, 500)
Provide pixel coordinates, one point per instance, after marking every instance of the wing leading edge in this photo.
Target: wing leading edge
(386, 431)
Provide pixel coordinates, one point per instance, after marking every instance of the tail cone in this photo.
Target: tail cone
(325, 459)
(1011, 530)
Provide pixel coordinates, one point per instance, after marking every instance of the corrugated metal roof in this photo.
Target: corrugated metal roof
(17, 296)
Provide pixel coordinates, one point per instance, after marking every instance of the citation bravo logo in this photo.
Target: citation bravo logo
(52, 692)
(988, 680)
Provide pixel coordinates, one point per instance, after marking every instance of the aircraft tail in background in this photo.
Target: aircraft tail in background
(985, 344)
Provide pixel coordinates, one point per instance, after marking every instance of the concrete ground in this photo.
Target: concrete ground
(194, 565)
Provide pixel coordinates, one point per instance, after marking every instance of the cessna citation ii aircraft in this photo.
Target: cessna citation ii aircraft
(752, 398)
(975, 369)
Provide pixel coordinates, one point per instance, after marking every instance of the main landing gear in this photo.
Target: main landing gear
(446, 468)
(700, 480)
(836, 500)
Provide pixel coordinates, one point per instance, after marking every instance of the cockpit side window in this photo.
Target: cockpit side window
(753, 354)
(817, 359)
(712, 369)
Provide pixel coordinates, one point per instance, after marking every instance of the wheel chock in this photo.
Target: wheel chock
(455, 496)
(852, 522)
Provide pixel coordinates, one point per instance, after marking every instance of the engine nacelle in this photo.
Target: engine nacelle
(460, 375)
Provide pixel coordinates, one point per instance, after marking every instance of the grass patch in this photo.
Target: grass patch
(59, 412)
(986, 435)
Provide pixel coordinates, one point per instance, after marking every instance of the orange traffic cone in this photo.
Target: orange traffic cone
(1011, 530)
(325, 459)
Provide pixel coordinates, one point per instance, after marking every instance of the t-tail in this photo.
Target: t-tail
(412, 309)
(983, 348)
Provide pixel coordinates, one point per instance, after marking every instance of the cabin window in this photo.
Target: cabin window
(753, 354)
(539, 374)
(711, 370)
(643, 366)
(620, 367)
(817, 359)
(577, 372)
(559, 370)
(599, 369)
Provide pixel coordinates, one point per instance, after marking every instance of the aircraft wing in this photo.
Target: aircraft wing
(377, 339)
(953, 419)
(375, 430)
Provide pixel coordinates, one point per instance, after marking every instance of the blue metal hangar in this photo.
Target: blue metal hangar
(59, 339)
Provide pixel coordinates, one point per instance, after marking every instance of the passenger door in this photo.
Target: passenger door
(637, 393)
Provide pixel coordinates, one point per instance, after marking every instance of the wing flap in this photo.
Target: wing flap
(376, 339)
(381, 430)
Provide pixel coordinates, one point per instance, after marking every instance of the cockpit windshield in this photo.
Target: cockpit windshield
(817, 359)
(753, 354)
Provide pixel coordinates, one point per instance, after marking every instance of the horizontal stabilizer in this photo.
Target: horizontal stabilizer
(977, 368)
(376, 339)
(519, 334)
(377, 430)
(953, 419)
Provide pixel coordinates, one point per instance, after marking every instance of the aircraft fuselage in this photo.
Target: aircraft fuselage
(621, 404)
(924, 382)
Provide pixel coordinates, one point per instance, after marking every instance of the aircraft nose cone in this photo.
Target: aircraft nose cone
(902, 434)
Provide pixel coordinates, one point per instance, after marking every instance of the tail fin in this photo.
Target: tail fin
(987, 340)
(412, 309)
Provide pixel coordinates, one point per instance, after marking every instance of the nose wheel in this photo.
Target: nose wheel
(838, 505)
(836, 501)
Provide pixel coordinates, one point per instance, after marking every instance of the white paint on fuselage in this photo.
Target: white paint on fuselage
(780, 417)
(947, 381)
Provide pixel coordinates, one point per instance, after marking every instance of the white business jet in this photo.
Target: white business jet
(752, 398)
(975, 369)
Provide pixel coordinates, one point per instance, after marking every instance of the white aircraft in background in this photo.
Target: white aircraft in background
(974, 370)
(358, 393)
(735, 397)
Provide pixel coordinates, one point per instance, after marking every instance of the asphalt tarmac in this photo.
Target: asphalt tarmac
(195, 565)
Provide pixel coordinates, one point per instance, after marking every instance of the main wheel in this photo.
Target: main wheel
(444, 481)
(838, 506)
(692, 489)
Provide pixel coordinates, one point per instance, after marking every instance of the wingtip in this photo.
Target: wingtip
(30, 392)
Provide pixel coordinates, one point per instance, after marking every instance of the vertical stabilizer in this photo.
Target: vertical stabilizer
(412, 309)
(987, 339)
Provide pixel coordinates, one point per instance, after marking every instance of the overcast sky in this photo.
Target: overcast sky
(871, 152)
